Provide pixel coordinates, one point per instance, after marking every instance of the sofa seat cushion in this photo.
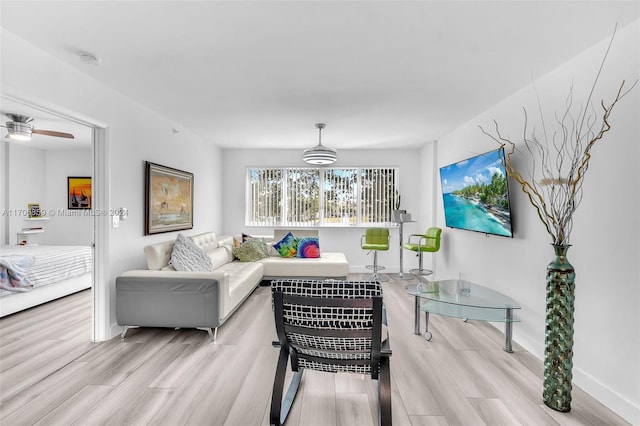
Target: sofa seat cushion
(329, 265)
(243, 278)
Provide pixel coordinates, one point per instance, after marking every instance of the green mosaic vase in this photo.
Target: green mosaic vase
(558, 352)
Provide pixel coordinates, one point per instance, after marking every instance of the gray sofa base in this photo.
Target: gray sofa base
(213, 332)
(167, 302)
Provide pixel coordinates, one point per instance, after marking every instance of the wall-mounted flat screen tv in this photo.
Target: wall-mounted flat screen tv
(476, 195)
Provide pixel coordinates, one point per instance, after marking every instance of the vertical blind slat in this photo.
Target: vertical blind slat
(331, 197)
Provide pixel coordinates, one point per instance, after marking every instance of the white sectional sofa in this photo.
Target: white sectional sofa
(160, 296)
(328, 265)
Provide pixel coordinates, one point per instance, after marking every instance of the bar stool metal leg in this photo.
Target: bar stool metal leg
(375, 267)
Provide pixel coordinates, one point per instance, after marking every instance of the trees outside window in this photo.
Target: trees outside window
(320, 197)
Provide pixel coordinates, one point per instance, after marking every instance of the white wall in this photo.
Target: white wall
(66, 227)
(27, 169)
(134, 134)
(346, 240)
(40, 176)
(605, 238)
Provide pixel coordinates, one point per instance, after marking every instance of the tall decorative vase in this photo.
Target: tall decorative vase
(558, 353)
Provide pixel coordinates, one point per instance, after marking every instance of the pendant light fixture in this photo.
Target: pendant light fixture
(319, 154)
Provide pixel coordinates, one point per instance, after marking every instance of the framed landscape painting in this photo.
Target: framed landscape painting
(78, 192)
(168, 199)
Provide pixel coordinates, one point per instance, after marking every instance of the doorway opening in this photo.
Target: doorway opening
(50, 162)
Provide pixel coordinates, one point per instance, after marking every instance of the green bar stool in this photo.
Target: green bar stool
(428, 242)
(376, 239)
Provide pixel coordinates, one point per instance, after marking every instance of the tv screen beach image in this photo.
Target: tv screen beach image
(476, 196)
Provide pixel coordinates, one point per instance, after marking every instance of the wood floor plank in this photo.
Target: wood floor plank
(76, 310)
(398, 411)
(35, 401)
(33, 315)
(73, 409)
(51, 374)
(493, 411)
(256, 388)
(40, 366)
(516, 388)
(120, 406)
(350, 383)
(318, 402)
(201, 394)
(192, 357)
(429, 421)
(16, 352)
(448, 395)
(411, 371)
(145, 407)
(464, 373)
(352, 409)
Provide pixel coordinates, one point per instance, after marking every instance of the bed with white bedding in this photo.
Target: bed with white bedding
(47, 272)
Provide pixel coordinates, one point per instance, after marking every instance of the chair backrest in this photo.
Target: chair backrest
(330, 325)
(376, 236)
(433, 239)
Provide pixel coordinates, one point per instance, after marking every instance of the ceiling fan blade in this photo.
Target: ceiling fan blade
(53, 133)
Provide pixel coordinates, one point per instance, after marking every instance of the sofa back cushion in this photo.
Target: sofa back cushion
(206, 241)
(158, 255)
(220, 256)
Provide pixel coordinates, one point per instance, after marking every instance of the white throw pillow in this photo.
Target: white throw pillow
(187, 256)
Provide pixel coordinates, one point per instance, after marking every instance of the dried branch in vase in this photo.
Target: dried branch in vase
(556, 165)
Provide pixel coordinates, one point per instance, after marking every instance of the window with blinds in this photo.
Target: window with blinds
(320, 197)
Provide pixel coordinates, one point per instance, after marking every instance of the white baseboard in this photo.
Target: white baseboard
(627, 409)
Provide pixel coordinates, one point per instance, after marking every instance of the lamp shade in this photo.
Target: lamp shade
(19, 131)
(320, 154)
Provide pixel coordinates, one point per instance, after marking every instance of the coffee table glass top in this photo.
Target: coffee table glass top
(463, 299)
(461, 293)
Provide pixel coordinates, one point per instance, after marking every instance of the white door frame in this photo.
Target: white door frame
(101, 300)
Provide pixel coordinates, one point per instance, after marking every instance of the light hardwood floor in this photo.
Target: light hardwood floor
(50, 373)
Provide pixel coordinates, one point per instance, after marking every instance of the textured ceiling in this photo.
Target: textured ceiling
(261, 74)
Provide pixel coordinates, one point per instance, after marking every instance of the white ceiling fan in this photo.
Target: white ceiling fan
(20, 128)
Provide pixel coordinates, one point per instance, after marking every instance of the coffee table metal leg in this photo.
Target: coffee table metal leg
(508, 330)
(417, 316)
(427, 333)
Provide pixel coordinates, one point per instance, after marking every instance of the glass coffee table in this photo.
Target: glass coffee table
(463, 299)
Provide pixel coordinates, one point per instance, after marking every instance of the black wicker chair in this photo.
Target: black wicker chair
(332, 326)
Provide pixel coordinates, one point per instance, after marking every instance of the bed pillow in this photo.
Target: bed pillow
(308, 247)
(287, 246)
(251, 250)
(187, 256)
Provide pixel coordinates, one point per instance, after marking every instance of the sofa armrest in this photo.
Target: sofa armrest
(167, 281)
